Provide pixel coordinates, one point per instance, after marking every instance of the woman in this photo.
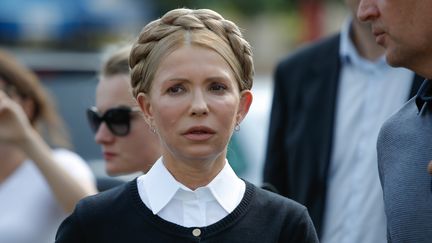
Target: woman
(191, 75)
(39, 185)
(128, 144)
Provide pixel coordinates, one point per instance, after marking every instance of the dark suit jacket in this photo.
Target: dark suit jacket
(302, 124)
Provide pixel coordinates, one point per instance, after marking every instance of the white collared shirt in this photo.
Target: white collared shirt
(174, 202)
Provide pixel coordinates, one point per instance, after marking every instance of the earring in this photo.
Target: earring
(152, 129)
(237, 127)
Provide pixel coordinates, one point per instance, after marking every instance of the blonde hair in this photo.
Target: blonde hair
(45, 118)
(201, 27)
(116, 62)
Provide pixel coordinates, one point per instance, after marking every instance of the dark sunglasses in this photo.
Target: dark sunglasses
(117, 119)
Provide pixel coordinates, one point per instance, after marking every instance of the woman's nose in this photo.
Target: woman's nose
(199, 104)
(103, 134)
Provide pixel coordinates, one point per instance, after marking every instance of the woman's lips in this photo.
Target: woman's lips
(198, 136)
(109, 156)
(199, 133)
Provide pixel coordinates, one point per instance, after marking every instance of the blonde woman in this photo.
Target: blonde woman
(191, 75)
(127, 142)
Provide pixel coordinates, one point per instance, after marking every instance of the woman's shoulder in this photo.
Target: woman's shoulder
(115, 196)
(102, 207)
(270, 198)
(267, 194)
(283, 212)
(95, 215)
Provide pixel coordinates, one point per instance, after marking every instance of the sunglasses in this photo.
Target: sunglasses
(118, 120)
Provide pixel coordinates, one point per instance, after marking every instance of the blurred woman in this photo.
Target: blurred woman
(40, 181)
(191, 75)
(128, 144)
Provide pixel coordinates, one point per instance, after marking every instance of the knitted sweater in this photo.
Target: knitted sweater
(119, 215)
(404, 151)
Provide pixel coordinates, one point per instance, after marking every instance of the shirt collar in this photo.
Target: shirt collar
(348, 53)
(424, 95)
(225, 187)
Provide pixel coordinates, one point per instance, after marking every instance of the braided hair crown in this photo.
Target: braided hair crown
(178, 27)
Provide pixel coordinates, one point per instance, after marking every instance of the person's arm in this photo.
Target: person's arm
(16, 129)
(67, 189)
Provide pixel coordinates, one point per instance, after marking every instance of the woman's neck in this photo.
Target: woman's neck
(194, 173)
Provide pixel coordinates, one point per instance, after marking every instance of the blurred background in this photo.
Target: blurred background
(64, 42)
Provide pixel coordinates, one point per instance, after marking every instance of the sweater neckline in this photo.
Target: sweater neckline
(172, 228)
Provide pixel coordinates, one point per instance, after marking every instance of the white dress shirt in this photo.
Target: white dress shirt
(174, 202)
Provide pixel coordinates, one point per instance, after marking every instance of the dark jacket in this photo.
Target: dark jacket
(302, 124)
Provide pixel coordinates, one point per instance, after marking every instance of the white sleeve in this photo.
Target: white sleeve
(74, 164)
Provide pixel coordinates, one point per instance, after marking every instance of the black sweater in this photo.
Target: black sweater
(119, 215)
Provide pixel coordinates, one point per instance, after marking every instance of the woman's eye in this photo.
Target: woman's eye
(176, 89)
(218, 87)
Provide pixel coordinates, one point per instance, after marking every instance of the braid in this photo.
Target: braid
(162, 36)
(243, 52)
(241, 48)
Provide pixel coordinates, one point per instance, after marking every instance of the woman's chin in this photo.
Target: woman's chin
(112, 169)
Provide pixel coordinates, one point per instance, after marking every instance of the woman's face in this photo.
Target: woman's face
(194, 104)
(136, 151)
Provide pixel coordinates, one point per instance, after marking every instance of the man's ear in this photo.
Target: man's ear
(244, 105)
(144, 103)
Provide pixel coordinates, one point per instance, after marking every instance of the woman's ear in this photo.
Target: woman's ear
(144, 103)
(244, 105)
